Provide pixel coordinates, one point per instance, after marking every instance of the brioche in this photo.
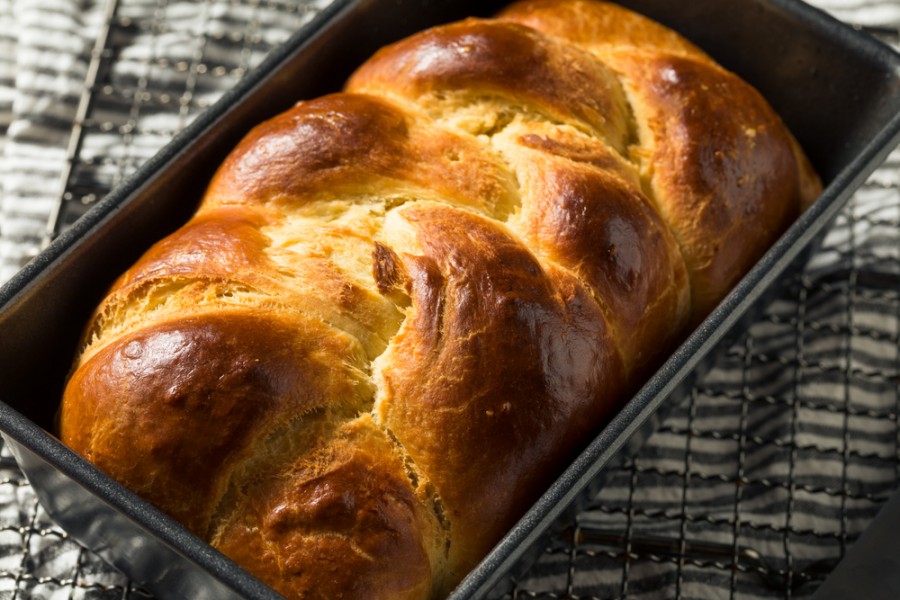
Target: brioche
(400, 310)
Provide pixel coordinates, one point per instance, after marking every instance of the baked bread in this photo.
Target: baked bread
(400, 310)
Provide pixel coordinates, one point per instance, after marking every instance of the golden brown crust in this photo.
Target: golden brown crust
(477, 60)
(719, 164)
(496, 350)
(401, 309)
(598, 26)
(583, 209)
(725, 173)
(326, 148)
(172, 410)
(346, 506)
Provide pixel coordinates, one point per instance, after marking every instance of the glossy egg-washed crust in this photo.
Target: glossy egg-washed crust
(401, 309)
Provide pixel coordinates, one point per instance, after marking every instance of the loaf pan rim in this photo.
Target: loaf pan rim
(719, 321)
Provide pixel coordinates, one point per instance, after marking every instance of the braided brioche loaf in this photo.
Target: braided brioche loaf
(401, 309)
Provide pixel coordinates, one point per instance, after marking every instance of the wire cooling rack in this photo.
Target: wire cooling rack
(753, 486)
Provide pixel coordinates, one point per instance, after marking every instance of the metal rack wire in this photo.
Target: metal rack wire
(754, 485)
(132, 103)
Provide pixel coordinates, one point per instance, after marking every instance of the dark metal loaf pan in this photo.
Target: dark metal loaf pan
(838, 91)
